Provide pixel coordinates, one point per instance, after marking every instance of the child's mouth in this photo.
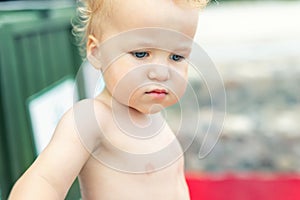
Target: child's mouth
(158, 93)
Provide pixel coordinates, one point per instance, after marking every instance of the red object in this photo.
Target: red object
(244, 186)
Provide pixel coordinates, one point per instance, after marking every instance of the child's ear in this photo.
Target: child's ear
(92, 51)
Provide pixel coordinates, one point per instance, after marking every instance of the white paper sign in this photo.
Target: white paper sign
(46, 110)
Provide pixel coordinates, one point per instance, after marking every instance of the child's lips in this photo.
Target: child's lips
(158, 93)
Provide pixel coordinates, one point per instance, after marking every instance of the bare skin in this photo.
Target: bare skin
(154, 182)
(85, 142)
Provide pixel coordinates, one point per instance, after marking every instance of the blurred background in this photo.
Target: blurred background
(255, 45)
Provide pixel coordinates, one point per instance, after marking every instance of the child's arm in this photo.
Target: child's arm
(54, 171)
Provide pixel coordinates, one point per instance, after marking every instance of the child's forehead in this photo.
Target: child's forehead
(132, 14)
(157, 38)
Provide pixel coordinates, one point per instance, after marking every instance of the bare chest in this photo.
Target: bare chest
(102, 182)
(135, 163)
(126, 153)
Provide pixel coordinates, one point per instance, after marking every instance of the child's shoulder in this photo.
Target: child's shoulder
(87, 108)
(88, 117)
(90, 110)
(90, 106)
(86, 120)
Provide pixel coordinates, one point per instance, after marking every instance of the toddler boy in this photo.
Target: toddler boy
(118, 144)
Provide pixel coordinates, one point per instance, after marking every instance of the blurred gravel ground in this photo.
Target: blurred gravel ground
(256, 47)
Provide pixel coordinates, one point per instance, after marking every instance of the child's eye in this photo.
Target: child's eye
(140, 54)
(176, 58)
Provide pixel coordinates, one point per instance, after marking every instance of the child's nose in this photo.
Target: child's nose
(159, 73)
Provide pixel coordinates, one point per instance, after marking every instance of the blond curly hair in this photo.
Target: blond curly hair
(88, 10)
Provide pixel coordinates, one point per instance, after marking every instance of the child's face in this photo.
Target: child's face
(144, 77)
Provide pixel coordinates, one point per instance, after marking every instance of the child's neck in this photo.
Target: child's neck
(132, 120)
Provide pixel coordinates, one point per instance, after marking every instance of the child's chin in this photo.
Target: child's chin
(152, 110)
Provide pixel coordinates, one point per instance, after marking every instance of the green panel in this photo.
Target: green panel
(35, 53)
(4, 162)
(45, 61)
(12, 95)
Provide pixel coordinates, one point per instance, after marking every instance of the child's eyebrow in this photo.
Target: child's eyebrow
(167, 43)
(183, 50)
(154, 45)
